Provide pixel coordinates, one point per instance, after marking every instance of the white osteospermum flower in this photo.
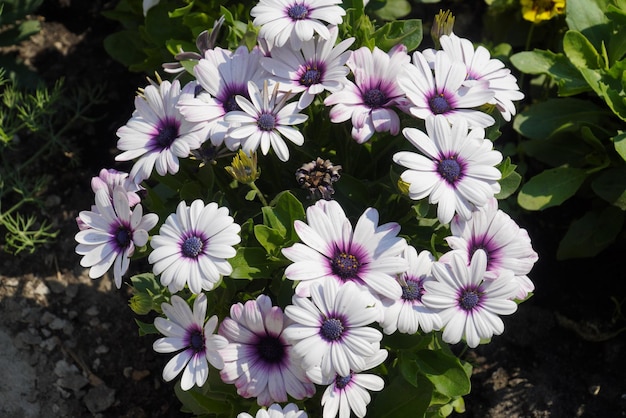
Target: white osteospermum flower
(185, 331)
(317, 66)
(468, 304)
(445, 92)
(331, 330)
(258, 359)
(407, 314)
(457, 171)
(111, 232)
(331, 251)
(157, 134)
(295, 21)
(508, 246)
(193, 246)
(276, 411)
(264, 120)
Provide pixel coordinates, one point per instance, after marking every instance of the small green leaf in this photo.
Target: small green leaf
(508, 185)
(444, 371)
(588, 18)
(551, 188)
(270, 238)
(407, 32)
(610, 185)
(251, 263)
(581, 52)
(619, 142)
(145, 328)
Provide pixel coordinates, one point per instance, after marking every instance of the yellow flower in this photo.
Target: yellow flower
(244, 168)
(537, 11)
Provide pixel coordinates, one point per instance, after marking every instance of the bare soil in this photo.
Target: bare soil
(71, 347)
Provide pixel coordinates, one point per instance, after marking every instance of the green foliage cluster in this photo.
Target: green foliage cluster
(577, 130)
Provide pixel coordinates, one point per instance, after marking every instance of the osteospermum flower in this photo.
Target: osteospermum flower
(264, 120)
(457, 170)
(317, 66)
(258, 358)
(223, 75)
(507, 246)
(468, 304)
(111, 233)
(193, 246)
(370, 101)
(331, 251)
(157, 135)
(275, 411)
(351, 392)
(186, 331)
(443, 91)
(295, 21)
(407, 314)
(318, 177)
(109, 179)
(481, 67)
(330, 329)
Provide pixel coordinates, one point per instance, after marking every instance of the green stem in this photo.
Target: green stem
(259, 194)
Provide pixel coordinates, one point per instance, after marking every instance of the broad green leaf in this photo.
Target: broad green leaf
(615, 99)
(592, 233)
(401, 399)
(250, 263)
(200, 404)
(394, 9)
(270, 238)
(544, 119)
(125, 47)
(563, 149)
(19, 33)
(146, 328)
(619, 142)
(286, 209)
(610, 185)
(407, 32)
(588, 18)
(508, 185)
(444, 371)
(551, 188)
(581, 52)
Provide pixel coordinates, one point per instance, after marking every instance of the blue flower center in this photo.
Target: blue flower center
(196, 341)
(270, 349)
(266, 122)
(344, 265)
(469, 299)
(450, 169)
(311, 76)
(167, 133)
(374, 98)
(343, 381)
(192, 247)
(123, 236)
(413, 290)
(331, 329)
(439, 104)
(298, 11)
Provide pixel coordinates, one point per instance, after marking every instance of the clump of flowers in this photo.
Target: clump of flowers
(325, 292)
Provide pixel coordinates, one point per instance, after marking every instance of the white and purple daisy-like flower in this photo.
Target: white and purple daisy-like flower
(457, 171)
(507, 246)
(481, 67)
(264, 120)
(193, 246)
(187, 333)
(258, 359)
(408, 314)
(350, 393)
(109, 179)
(157, 135)
(470, 306)
(223, 75)
(317, 66)
(370, 255)
(330, 330)
(276, 411)
(370, 101)
(442, 90)
(111, 233)
(295, 21)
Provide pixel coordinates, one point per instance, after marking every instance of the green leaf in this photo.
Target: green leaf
(394, 9)
(592, 233)
(125, 47)
(508, 185)
(610, 185)
(588, 18)
(199, 404)
(270, 238)
(400, 399)
(285, 210)
(251, 263)
(551, 188)
(145, 328)
(444, 371)
(581, 52)
(619, 142)
(407, 32)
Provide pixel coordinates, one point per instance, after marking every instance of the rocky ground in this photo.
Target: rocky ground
(71, 348)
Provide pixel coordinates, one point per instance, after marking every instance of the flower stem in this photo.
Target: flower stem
(258, 193)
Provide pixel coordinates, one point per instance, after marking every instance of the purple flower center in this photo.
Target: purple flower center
(192, 247)
(266, 122)
(374, 98)
(344, 265)
(480, 245)
(439, 104)
(331, 329)
(196, 341)
(311, 76)
(413, 290)
(343, 381)
(230, 104)
(450, 169)
(469, 299)
(298, 11)
(270, 349)
(123, 236)
(167, 133)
